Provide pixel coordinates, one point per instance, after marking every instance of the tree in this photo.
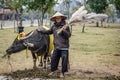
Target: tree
(42, 6)
(110, 12)
(17, 5)
(116, 3)
(97, 6)
(67, 6)
(2, 7)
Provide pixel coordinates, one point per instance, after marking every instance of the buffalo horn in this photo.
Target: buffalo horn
(26, 37)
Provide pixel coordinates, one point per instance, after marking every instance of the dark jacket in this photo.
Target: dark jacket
(61, 40)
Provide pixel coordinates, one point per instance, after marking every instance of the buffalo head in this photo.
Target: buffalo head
(16, 46)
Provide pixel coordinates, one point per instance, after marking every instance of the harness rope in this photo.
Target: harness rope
(22, 34)
(36, 55)
(8, 61)
(27, 52)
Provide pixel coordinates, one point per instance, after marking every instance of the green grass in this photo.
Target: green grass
(93, 50)
(95, 41)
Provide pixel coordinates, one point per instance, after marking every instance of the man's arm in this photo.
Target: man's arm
(50, 31)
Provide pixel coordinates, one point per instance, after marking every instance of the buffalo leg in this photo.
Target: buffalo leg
(34, 60)
(44, 63)
(41, 62)
(45, 57)
(48, 61)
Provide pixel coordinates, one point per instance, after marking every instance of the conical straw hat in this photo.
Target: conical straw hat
(57, 14)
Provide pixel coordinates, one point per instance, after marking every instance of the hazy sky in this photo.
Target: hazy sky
(60, 1)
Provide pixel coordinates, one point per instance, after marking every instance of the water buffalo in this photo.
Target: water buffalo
(36, 42)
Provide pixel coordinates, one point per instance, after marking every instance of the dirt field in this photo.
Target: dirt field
(94, 55)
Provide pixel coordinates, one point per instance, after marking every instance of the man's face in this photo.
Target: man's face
(58, 19)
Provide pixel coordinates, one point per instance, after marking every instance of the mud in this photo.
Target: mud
(42, 74)
(29, 73)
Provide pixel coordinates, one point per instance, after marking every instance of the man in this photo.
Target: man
(61, 43)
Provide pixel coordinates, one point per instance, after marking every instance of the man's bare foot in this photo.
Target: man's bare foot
(51, 74)
(62, 75)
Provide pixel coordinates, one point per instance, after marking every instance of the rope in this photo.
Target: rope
(27, 52)
(10, 63)
(22, 34)
(27, 49)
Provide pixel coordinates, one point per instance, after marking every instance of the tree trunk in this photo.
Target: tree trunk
(14, 21)
(32, 17)
(2, 21)
(32, 21)
(38, 22)
(113, 20)
(97, 24)
(101, 23)
(83, 29)
(41, 20)
(20, 24)
(17, 18)
(1, 25)
(46, 20)
(42, 15)
(108, 19)
(68, 8)
(14, 26)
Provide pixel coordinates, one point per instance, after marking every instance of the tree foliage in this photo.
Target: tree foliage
(42, 6)
(109, 11)
(16, 5)
(38, 5)
(97, 6)
(116, 3)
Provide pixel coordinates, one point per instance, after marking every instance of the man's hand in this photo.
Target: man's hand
(38, 29)
(64, 28)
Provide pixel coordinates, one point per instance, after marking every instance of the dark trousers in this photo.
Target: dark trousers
(56, 57)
